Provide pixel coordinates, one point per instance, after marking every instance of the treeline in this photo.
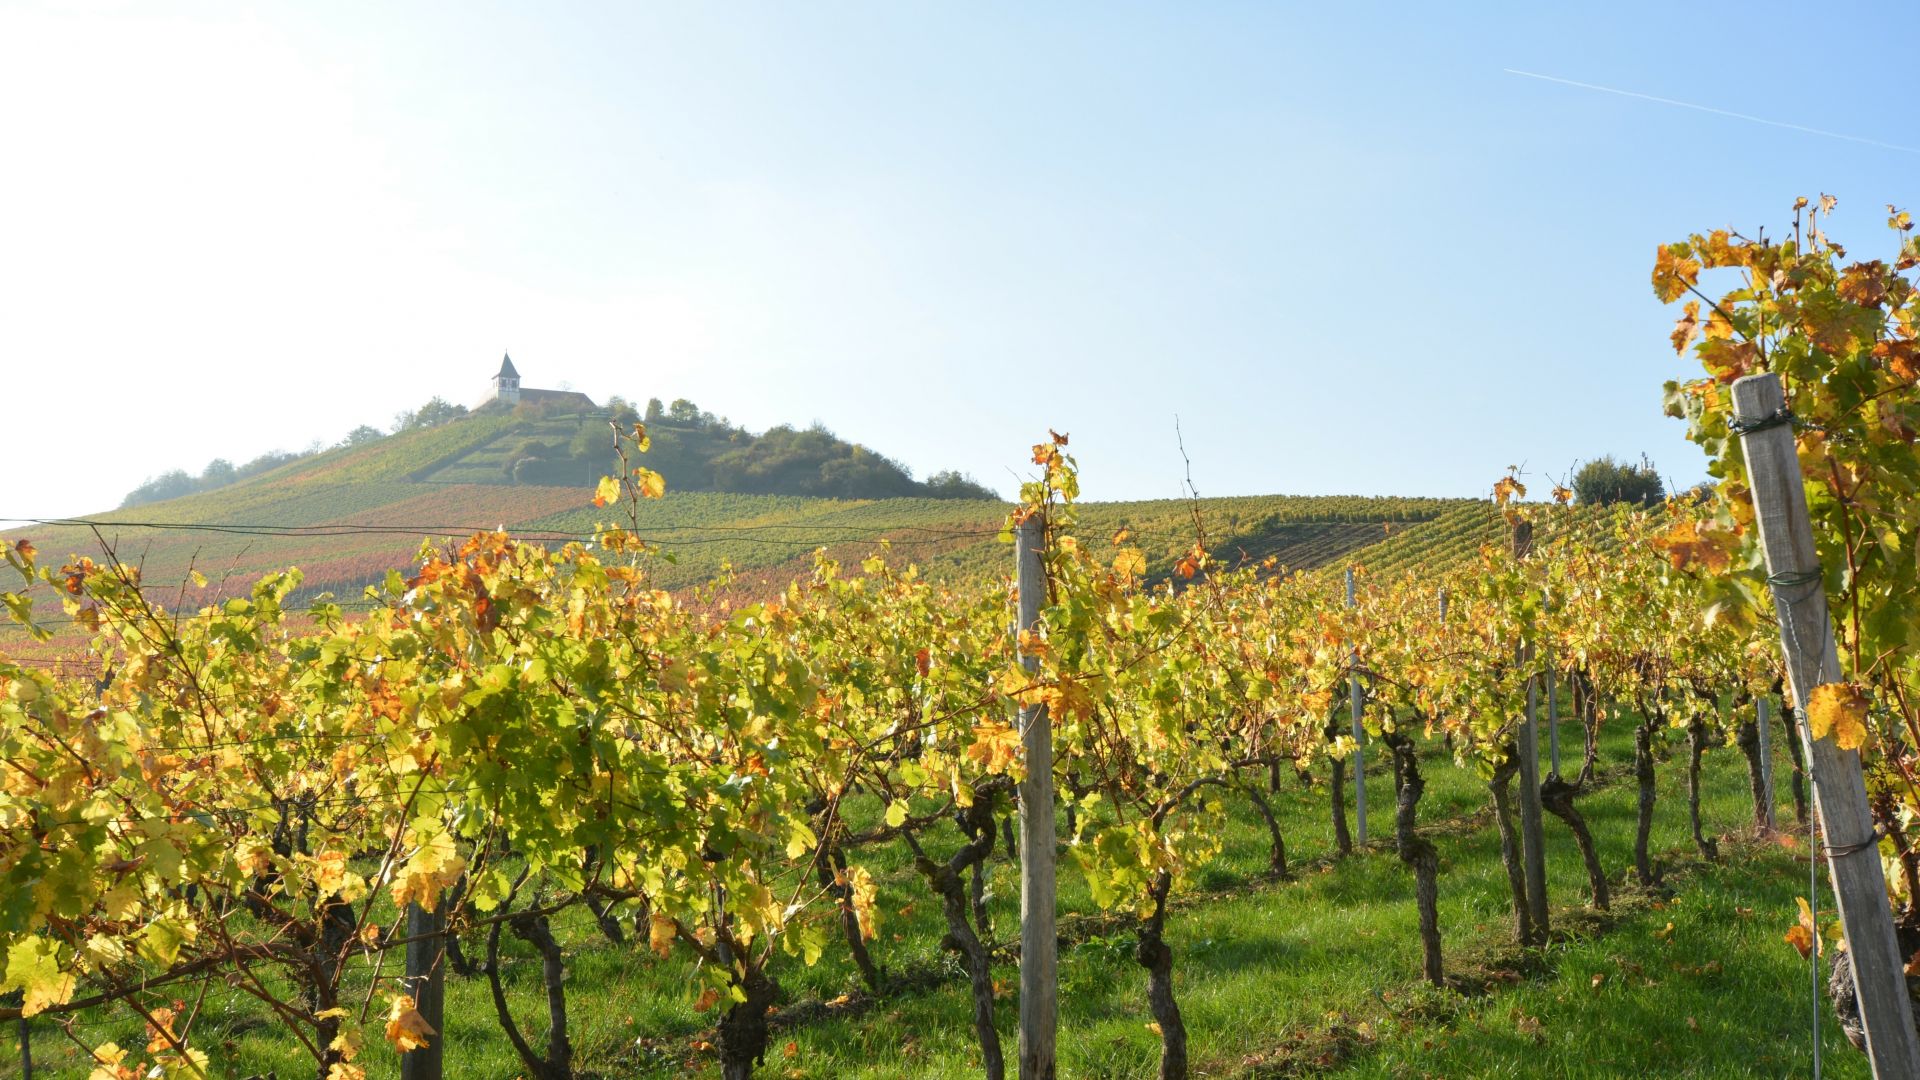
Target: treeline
(697, 451)
(220, 472)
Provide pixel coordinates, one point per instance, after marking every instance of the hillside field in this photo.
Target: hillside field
(349, 516)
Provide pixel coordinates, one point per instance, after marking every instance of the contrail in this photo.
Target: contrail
(1717, 112)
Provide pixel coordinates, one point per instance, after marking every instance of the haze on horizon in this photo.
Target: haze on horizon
(1350, 252)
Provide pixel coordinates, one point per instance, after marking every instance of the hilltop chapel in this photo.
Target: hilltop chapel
(507, 390)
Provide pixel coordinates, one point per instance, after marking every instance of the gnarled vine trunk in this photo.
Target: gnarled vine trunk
(1501, 785)
(1342, 839)
(556, 1063)
(1747, 737)
(1557, 796)
(1417, 851)
(831, 870)
(977, 821)
(1588, 705)
(1643, 869)
(1697, 735)
(744, 1035)
(1277, 850)
(1792, 726)
(1152, 953)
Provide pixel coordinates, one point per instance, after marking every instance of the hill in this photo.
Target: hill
(348, 515)
(557, 443)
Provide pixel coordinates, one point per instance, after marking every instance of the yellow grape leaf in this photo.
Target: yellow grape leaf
(1130, 563)
(864, 897)
(330, 872)
(1839, 709)
(106, 1063)
(346, 1070)
(433, 867)
(641, 440)
(1154, 1026)
(33, 968)
(608, 492)
(652, 484)
(660, 934)
(896, 814)
(406, 1028)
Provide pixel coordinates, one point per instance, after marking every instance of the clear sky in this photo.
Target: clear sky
(1347, 248)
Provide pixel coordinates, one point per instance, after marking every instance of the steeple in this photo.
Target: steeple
(506, 385)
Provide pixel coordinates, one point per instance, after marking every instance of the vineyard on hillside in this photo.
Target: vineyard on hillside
(1061, 788)
(749, 789)
(348, 536)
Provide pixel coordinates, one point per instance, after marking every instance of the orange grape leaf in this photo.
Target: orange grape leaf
(996, 746)
(652, 484)
(407, 1030)
(1673, 272)
(1687, 326)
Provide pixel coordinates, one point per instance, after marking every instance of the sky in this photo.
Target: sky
(1343, 246)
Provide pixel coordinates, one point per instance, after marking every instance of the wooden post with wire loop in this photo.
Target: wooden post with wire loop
(1039, 1009)
(1765, 428)
(426, 981)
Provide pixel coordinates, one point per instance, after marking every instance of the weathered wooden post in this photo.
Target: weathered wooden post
(1766, 759)
(1359, 734)
(1839, 790)
(26, 1050)
(1553, 726)
(1039, 1011)
(426, 980)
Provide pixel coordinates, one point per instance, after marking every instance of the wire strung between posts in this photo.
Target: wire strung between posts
(1787, 579)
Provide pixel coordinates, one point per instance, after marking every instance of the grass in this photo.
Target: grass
(1315, 976)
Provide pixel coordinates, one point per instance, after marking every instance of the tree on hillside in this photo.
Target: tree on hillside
(1604, 480)
(363, 435)
(953, 484)
(435, 412)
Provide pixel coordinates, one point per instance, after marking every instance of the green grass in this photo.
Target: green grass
(1312, 977)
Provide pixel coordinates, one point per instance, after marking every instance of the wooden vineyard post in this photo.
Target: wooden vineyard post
(426, 980)
(1039, 1011)
(1553, 726)
(26, 1050)
(1839, 790)
(1766, 759)
(1359, 734)
(1532, 836)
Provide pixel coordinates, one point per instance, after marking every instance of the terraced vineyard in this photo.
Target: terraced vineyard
(349, 516)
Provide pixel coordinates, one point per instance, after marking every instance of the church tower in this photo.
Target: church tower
(506, 385)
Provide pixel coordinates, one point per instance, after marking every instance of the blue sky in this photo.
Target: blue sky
(1347, 249)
